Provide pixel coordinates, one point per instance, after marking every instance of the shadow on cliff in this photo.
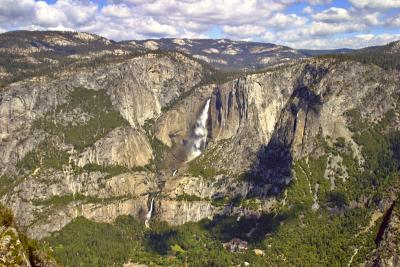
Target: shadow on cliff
(252, 229)
(269, 175)
(271, 172)
(223, 229)
(159, 242)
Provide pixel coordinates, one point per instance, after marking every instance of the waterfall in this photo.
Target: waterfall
(148, 216)
(199, 138)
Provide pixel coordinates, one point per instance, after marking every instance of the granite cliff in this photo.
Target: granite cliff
(102, 140)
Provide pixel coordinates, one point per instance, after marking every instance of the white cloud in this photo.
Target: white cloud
(16, 9)
(308, 10)
(323, 29)
(243, 31)
(120, 11)
(394, 21)
(375, 4)
(357, 41)
(267, 20)
(281, 20)
(46, 15)
(372, 18)
(270, 37)
(213, 11)
(319, 2)
(333, 14)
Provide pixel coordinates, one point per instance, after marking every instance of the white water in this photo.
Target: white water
(148, 216)
(200, 134)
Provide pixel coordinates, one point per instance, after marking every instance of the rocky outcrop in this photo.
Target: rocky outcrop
(55, 199)
(387, 253)
(16, 249)
(180, 212)
(11, 251)
(123, 146)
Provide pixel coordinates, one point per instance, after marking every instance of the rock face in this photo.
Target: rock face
(387, 240)
(138, 89)
(122, 146)
(11, 250)
(280, 110)
(64, 157)
(14, 249)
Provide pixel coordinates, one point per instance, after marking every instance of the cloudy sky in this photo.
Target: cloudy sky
(297, 23)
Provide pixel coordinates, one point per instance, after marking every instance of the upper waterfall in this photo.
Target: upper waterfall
(199, 137)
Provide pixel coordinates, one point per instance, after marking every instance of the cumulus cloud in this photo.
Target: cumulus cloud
(319, 2)
(333, 14)
(357, 41)
(41, 14)
(16, 9)
(394, 21)
(258, 20)
(212, 11)
(119, 11)
(308, 10)
(243, 30)
(281, 20)
(375, 4)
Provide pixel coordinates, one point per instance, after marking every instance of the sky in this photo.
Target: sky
(311, 24)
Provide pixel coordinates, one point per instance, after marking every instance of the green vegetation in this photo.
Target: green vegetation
(160, 151)
(380, 151)
(6, 216)
(308, 173)
(292, 235)
(112, 170)
(59, 200)
(66, 199)
(337, 199)
(220, 201)
(250, 203)
(289, 237)
(203, 164)
(189, 198)
(101, 244)
(36, 254)
(318, 238)
(46, 155)
(196, 169)
(381, 56)
(102, 118)
(7, 183)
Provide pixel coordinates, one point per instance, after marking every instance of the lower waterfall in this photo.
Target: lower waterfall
(148, 216)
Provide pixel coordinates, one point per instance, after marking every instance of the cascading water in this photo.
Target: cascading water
(148, 216)
(199, 137)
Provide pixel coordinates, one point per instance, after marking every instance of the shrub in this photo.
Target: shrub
(6, 216)
(337, 198)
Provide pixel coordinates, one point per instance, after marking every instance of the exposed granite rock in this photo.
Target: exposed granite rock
(11, 251)
(387, 253)
(283, 107)
(138, 88)
(122, 146)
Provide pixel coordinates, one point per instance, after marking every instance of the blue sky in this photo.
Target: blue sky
(317, 24)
